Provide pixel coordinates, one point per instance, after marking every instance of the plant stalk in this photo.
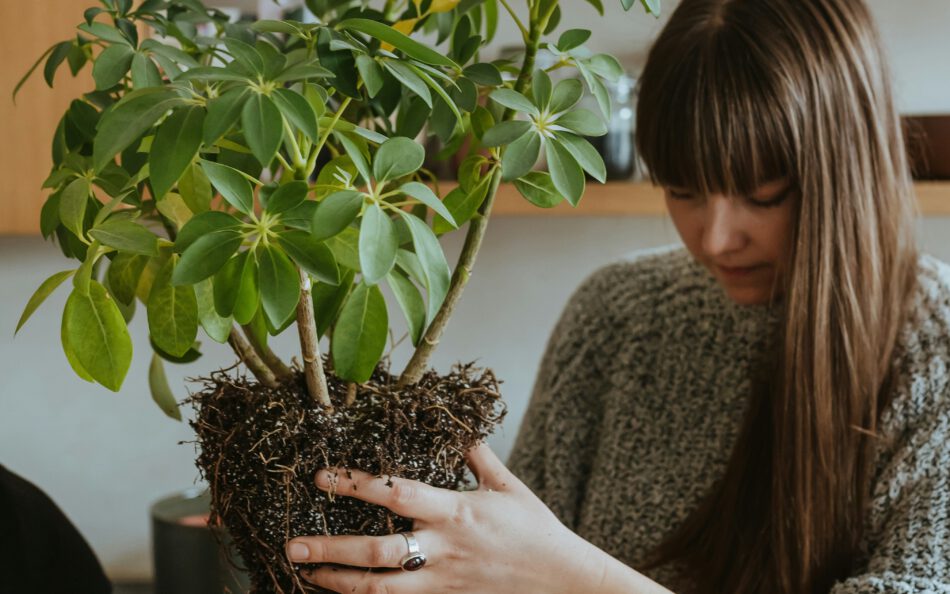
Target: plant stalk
(269, 357)
(250, 358)
(310, 345)
(473, 237)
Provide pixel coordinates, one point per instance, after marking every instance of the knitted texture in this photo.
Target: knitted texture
(639, 400)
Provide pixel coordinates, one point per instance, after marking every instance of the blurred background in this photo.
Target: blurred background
(105, 457)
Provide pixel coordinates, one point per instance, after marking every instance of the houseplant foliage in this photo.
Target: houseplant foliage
(240, 178)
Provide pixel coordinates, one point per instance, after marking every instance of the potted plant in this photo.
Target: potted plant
(242, 178)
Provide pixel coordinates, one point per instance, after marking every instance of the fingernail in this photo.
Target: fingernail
(298, 552)
(323, 479)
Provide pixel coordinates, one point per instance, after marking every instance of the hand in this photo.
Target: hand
(499, 538)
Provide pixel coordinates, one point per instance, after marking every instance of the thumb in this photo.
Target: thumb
(488, 469)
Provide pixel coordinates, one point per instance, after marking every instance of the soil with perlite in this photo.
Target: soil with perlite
(260, 449)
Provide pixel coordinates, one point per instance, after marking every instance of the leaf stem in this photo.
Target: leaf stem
(269, 357)
(310, 345)
(514, 16)
(476, 231)
(312, 161)
(250, 358)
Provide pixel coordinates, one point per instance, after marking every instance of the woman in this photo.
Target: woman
(765, 411)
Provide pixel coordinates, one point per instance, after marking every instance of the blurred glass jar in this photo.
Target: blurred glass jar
(618, 146)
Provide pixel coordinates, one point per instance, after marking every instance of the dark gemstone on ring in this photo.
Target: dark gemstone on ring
(415, 562)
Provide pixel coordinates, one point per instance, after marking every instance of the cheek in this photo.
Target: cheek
(688, 225)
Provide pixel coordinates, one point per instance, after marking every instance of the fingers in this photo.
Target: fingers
(355, 581)
(488, 469)
(356, 551)
(408, 498)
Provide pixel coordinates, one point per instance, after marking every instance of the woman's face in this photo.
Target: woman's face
(742, 240)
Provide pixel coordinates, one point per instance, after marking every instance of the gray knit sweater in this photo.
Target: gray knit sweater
(639, 399)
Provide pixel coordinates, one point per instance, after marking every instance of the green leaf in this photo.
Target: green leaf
(484, 74)
(599, 6)
(105, 32)
(173, 207)
(287, 197)
(422, 193)
(310, 254)
(572, 38)
(605, 66)
(70, 353)
(271, 26)
(410, 79)
(346, 248)
(204, 224)
(145, 73)
(651, 6)
(233, 186)
(585, 154)
(303, 71)
(244, 54)
(371, 74)
(520, 156)
(449, 102)
(263, 127)
(462, 204)
(206, 256)
(123, 275)
(112, 65)
(235, 288)
(195, 189)
(567, 93)
(161, 392)
(378, 244)
(174, 148)
(397, 157)
(172, 312)
(407, 45)
(126, 236)
(97, 336)
(538, 189)
(335, 212)
(223, 113)
(505, 132)
(72, 205)
(434, 264)
(328, 300)
(583, 122)
(298, 112)
(279, 284)
(359, 335)
(44, 291)
(217, 327)
(128, 119)
(514, 100)
(353, 150)
(411, 303)
(541, 89)
(596, 87)
(565, 172)
(66, 45)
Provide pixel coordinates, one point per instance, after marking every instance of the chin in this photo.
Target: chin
(748, 295)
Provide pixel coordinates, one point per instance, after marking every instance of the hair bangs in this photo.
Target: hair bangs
(712, 118)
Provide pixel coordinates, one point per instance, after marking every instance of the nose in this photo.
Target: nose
(723, 231)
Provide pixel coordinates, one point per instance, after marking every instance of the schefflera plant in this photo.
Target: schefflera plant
(241, 177)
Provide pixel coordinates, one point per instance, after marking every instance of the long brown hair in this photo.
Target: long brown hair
(736, 93)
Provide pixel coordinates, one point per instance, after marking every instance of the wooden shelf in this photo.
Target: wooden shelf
(634, 199)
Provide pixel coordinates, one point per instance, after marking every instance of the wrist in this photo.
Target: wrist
(604, 574)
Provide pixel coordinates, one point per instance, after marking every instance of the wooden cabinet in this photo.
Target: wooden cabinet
(27, 29)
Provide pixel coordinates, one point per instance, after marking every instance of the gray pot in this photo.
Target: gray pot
(187, 555)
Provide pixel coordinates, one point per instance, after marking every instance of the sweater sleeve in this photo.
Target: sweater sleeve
(556, 444)
(911, 535)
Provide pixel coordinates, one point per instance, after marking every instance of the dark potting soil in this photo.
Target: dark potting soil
(260, 449)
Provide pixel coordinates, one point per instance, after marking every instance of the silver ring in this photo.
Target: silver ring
(414, 559)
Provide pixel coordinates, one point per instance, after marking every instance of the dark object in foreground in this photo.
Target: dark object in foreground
(41, 551)
(260, 449)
